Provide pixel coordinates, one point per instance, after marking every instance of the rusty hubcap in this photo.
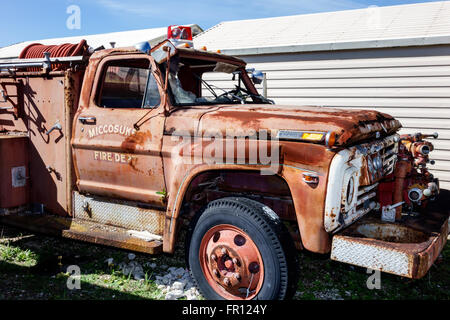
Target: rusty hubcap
(231, 262)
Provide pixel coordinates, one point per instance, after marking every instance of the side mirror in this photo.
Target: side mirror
(256, 76)
(159, 53)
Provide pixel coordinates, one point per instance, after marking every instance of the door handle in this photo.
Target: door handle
(83, 120)
(56, 126)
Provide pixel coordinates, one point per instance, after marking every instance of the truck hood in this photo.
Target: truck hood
(350, 126)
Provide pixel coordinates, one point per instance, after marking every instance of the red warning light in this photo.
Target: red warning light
(179, 33)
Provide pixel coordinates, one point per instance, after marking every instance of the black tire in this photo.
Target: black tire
(267, 232)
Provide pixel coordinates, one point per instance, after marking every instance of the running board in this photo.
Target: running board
(82, 230)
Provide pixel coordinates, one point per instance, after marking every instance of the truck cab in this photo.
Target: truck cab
(127, 146)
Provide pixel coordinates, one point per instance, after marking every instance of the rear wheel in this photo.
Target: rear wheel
(239, 249)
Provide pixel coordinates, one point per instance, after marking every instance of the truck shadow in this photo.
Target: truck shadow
(41, 271)
(35, 267)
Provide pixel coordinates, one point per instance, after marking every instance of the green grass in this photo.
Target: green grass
(323, 278)
(17, 255)
(34, 267)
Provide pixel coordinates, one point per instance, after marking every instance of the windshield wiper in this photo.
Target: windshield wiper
(226, 92)
(258, 96)
(270, 101)
(211, 86)
(207, 85)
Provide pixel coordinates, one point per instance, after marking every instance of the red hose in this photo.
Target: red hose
(36, 50)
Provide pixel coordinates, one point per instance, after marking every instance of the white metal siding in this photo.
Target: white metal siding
(412, 84)
(373, 27)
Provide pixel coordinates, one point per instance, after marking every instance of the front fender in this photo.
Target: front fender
(178, 187)
(295, 159)
(309, 200)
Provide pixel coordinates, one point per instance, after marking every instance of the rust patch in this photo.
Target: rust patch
(137, 139)
(306, 154)
(350, 126)
(133, 164)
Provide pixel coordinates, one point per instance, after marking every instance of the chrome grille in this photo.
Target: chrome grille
(389, 157)
(386, 150)
(380, 156)
(366, 193)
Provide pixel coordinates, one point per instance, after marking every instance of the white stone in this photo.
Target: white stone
(133, 268)
(178, 285)
(175, 283)
(131, 256)
(174, 295)
(191, 297)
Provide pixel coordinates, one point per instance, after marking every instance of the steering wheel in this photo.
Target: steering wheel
(236, 92)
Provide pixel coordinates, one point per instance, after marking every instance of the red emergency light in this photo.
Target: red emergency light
(179, 32)
(180, 35)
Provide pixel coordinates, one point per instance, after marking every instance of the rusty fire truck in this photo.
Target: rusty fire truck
(90, 150)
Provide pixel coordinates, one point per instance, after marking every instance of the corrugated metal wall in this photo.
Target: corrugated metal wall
(412, 84)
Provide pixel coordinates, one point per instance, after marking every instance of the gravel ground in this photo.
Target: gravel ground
(34, 267)
(174, 283)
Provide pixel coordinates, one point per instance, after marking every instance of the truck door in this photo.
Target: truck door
(117, 138)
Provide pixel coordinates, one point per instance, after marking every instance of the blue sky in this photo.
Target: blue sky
(31, 20)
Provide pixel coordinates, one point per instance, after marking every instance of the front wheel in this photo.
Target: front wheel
(239, 249)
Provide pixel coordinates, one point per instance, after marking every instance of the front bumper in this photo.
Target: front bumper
(406, 248)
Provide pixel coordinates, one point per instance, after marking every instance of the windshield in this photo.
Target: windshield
(198, 82)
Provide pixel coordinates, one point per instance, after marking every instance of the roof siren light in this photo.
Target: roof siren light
(143, 47)
(256, 75)
(180, 36)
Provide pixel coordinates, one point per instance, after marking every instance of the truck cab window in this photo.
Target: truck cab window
(152, 98)
(198, 82)
(124, 86)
